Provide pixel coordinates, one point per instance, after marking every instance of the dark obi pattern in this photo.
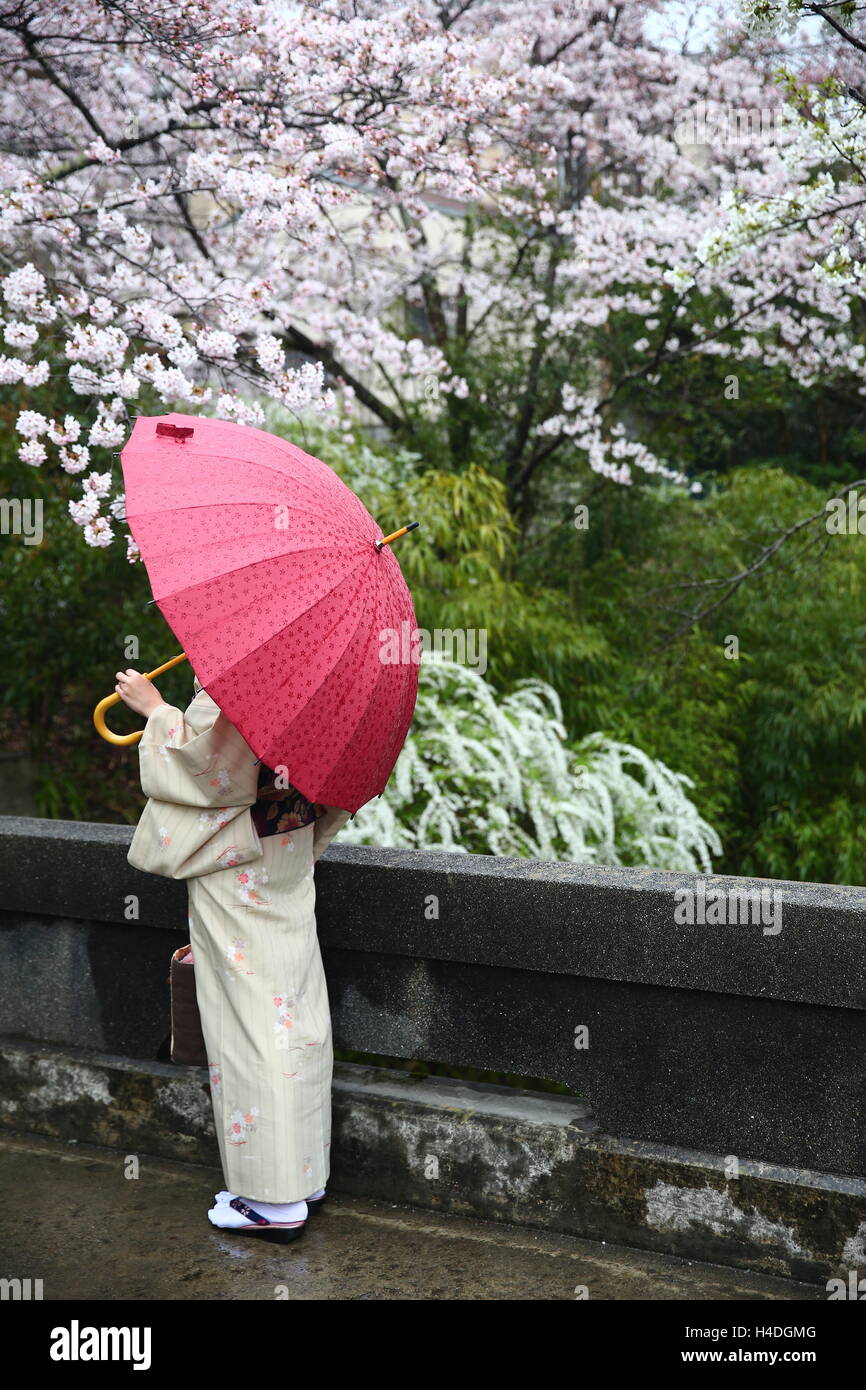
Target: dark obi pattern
(281, 809)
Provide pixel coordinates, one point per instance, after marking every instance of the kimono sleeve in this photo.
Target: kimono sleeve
(201, 778)
(326, 827)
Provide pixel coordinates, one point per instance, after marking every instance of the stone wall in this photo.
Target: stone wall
(735, 1050)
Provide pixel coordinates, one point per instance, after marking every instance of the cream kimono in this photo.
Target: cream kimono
(258, 968)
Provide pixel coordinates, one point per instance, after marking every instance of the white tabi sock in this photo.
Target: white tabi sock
(227, 1216)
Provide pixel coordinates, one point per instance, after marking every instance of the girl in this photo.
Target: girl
(246, 842)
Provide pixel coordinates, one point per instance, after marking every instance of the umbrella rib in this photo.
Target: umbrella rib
(229, 502)
(386, 745)
(404, 699)
(267, 639)
(264, 560)
(351, 735)
(329, 673)
(202, 546)
(232, 502)
(348, 740)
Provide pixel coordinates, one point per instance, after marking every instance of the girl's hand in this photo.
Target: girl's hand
(137, 691)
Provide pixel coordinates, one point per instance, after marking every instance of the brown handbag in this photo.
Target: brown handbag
(187, 1040)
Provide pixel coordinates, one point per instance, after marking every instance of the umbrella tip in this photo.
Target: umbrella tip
(386, 540)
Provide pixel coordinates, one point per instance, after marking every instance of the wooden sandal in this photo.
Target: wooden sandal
(281, 1232)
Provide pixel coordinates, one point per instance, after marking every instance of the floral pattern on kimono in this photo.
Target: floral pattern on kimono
(215, 819)
(260, 982)
(199, 776)
(284, 1004)
(169, 741)
(250, 882)
(229, 857)
(241, 1124)
(236, 957)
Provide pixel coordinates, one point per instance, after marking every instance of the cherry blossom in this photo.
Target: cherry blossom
(224, 206)
(173, 173)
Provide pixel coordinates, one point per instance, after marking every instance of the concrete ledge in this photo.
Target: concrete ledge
(468, 1149)
(585, 920)
(714, 1038)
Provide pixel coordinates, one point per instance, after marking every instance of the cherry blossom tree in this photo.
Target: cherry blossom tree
(621, 288)
(817, 206)
(202, 201)
(508, 222)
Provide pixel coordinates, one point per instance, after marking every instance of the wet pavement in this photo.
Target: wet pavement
(72, 1217)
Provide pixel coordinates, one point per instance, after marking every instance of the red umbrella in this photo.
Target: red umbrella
(282, 591)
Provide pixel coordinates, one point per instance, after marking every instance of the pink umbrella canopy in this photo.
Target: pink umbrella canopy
(265, 566)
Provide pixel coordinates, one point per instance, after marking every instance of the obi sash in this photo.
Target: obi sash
(279, 810)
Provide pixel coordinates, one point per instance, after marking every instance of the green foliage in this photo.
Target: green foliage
(772, 741)
(802, 632)
(462, 566)
(772, 738)
(66, 613)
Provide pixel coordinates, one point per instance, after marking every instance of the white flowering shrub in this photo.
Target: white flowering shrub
(485, 775)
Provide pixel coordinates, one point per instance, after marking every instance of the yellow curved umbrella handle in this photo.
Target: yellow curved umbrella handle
(99, 713)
